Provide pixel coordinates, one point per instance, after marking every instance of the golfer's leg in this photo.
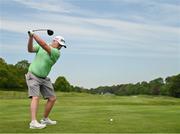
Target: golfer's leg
(34, 107)
(49, 105)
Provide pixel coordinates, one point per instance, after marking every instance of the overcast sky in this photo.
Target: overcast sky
(109, 41)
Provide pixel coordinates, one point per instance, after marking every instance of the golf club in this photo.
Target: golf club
(49, 31)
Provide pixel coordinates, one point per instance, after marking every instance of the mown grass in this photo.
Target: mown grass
(86, 113)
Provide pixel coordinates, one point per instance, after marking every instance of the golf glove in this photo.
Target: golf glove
(30, 33)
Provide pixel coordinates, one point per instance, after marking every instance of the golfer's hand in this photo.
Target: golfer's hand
(30, 33)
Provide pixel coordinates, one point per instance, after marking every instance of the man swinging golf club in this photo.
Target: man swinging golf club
(37, 80)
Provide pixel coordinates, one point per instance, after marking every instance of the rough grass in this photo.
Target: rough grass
(86, 113)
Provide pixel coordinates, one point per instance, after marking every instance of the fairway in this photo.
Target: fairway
(86, 113)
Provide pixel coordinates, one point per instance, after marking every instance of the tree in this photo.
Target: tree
(24, 64)
(2, 61)
(12, 76)
(145, 88)
(164, 90)
(155, 85)
(61, 84)
(3, 77)
(173, 84)
(79, 89)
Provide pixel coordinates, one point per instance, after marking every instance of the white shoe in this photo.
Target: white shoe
(36, 125)
(47, 121)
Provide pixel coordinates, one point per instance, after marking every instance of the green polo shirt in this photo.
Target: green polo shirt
(43, 62)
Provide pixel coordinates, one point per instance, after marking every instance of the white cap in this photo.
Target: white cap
(60, 40)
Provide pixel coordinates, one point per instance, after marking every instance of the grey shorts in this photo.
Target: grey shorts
(38, 85)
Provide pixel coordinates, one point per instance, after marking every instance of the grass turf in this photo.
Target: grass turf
(86, 113)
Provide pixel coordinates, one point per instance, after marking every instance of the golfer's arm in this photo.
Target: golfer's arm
(30, 44)
(42, 43)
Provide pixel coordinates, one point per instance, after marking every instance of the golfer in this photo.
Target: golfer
(37, 80)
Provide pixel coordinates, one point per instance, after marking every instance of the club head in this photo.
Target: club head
(50, 32)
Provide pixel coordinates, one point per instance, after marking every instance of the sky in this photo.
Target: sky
(109, 42)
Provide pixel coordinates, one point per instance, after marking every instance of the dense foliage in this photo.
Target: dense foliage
(12, 78)
(61, 84)
(169, 87)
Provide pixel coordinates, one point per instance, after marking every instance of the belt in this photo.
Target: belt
(38, 76)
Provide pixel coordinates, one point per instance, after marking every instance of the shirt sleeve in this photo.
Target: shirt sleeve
(55, 54)
(36, 47)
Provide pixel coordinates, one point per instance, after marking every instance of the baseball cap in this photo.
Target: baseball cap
(60, 40)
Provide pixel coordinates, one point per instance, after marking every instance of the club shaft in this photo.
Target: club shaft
(40, 30)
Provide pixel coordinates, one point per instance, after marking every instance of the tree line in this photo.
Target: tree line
(12, 77)
(168, 87)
